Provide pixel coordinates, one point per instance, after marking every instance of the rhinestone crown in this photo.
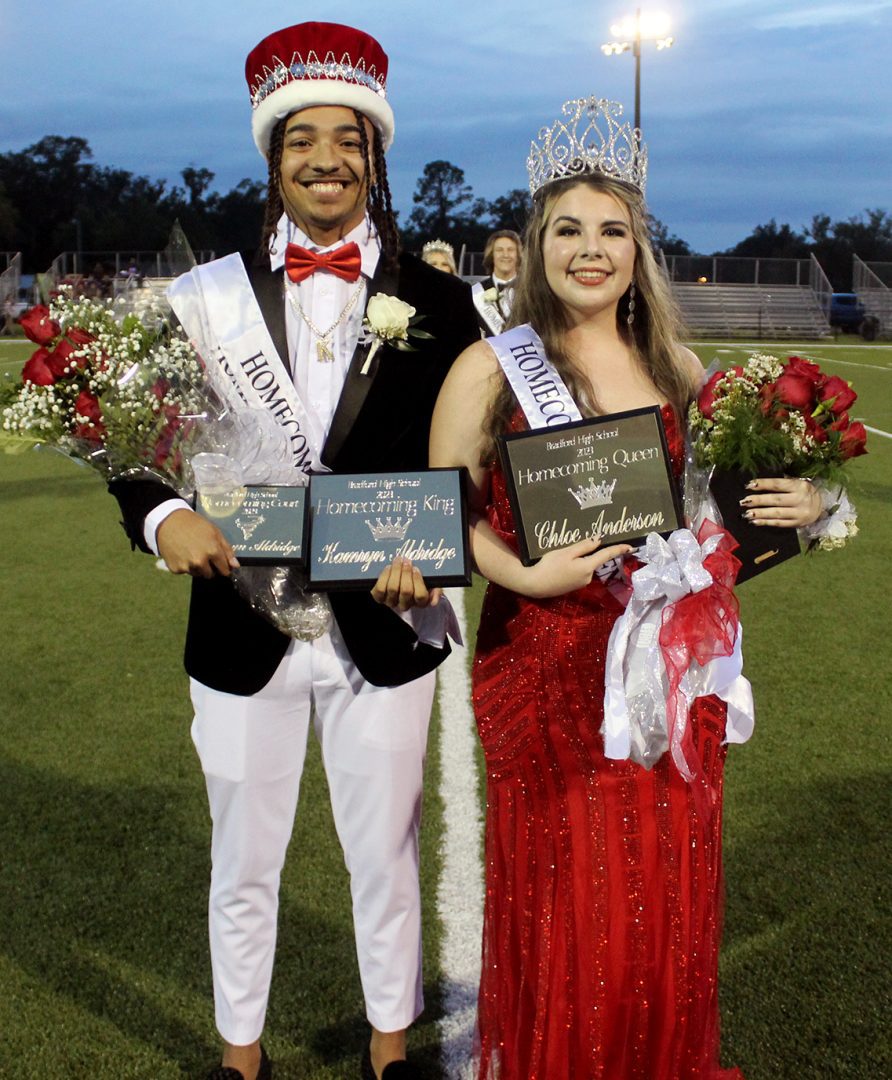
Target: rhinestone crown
(438, 245)
(311, 67)
(591, 140)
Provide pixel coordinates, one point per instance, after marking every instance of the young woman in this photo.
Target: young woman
(603, 878)
(441, 255)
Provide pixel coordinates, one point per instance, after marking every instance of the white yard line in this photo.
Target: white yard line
(876, 431)
(460, 892)
(851, 363)
(809, 345)
(809, 351)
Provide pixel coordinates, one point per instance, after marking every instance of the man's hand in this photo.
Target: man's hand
(401, 586)
(190, 544)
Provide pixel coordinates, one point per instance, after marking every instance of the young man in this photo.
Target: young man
(494, 294)
(322, 120)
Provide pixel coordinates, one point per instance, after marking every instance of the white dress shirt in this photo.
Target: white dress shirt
(323, 296)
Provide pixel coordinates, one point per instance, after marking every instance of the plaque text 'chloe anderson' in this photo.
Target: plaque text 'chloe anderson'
(549, 534)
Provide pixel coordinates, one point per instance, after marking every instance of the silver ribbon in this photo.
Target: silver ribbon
(636, 685)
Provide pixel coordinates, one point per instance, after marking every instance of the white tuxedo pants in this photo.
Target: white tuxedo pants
(252, 753)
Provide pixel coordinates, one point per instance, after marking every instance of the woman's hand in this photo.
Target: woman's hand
(567, 569)
(782, 501)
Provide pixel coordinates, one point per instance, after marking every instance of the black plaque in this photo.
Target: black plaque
(760, 546)
(610, 475)
(264, 524)
(361, 521)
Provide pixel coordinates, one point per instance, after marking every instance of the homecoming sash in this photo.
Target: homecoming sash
(490, 313)
(541, 392)
(219, 311)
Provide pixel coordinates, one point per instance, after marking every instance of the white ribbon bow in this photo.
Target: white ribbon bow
(636, 685)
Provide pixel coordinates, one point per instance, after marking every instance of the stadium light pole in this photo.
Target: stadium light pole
(642, 26)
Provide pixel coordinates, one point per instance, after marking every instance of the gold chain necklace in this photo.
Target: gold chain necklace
(324, 350)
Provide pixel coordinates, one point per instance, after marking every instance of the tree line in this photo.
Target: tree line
(54, 197)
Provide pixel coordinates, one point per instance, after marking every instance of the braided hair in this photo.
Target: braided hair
(378, 200)
(379, 205)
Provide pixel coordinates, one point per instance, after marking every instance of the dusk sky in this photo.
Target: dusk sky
(760, 109)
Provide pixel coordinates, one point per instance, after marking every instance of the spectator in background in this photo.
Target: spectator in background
(494, 295)
(441, 255)
(9, 316)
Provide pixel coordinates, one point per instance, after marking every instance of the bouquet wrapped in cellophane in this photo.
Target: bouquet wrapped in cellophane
(130, 396)
(771, 417)
(108, 388)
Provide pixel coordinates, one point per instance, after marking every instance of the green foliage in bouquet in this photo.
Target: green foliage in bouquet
(774, 418)
(107, 387)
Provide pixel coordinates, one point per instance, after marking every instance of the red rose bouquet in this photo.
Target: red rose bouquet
(130, 396)
(112, 389)
(776, 418)
(770, 417)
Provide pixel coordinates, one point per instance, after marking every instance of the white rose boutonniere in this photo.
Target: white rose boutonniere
(388, 321)
(491, 296)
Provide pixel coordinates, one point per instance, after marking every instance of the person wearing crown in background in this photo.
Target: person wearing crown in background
(603, 865)
(440, 254)
(329, 246)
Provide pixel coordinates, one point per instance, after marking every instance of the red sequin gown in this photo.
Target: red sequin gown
(603, 883)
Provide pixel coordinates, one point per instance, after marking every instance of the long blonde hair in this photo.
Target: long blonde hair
(654, 335)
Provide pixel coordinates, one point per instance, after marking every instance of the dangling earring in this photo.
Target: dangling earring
(630, 318)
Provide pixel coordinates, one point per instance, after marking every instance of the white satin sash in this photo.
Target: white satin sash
(219, 311)
(489, 312)
(541, 392)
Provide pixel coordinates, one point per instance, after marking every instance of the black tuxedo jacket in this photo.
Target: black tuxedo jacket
(382, 422)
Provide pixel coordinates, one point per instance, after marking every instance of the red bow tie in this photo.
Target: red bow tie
(345, 262)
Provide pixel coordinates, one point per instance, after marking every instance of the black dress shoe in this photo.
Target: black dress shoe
(226, 1072)
(396, 1070)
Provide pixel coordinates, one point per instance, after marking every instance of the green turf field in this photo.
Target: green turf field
(103, 961)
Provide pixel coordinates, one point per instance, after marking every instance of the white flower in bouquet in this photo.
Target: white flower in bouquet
(105, 387)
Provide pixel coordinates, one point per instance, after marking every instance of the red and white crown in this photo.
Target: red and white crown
(317, 63)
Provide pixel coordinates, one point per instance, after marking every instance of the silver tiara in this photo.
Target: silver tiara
(438, 245)
(590, 140)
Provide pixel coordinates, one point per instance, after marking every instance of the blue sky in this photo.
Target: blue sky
(760, 109)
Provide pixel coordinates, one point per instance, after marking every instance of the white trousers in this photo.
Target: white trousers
(252, 752)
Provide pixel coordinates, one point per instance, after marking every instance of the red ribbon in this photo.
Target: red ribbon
(344, 262)
(700, 626)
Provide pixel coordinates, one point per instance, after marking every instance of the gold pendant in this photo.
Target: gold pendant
(323, 352)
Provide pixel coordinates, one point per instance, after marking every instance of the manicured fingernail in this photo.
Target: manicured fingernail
(752, 485)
